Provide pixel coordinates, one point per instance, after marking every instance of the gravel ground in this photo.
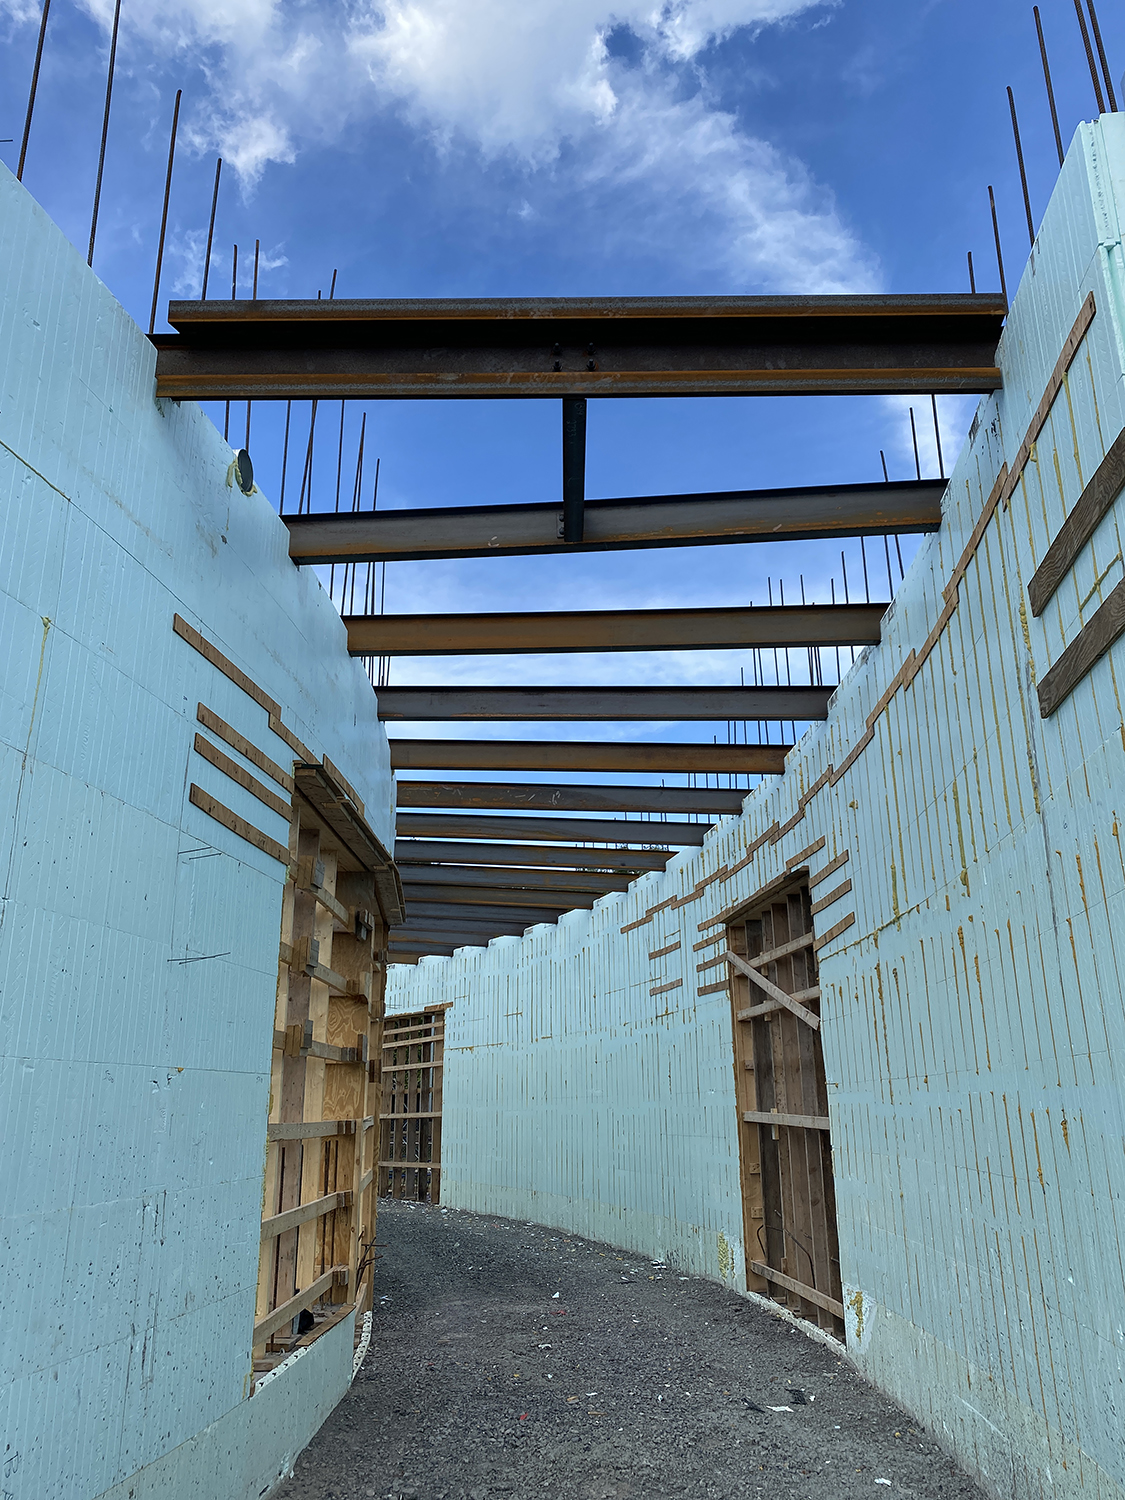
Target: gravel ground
(508, 1360)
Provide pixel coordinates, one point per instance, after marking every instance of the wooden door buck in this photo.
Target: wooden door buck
(789, 1205)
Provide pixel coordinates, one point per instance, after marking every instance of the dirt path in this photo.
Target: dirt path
(511, 1361)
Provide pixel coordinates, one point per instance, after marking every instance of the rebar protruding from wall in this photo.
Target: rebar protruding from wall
(32, 90)
(914, 439)
(1112, 97)
(105, 130)
(1090, 57)
(883, 461)
(972, 274)
(996, 237)
(285, 457)
(937, 438)
(211, 229)
(164, 211)
(1023, 171)
(1050, 87)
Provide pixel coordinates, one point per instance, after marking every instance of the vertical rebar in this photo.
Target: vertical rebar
(883, 461)
(937, 437)
(890, 576)
(866, 585)
(996, 237)
(1050, 86)
(34, 87)
(105, 129)
(1110, 95)
(1023, 171)
(211, 229)
(914, 437)
(164, 211)
(1090, 57)
(254, 296)
(233, 296)
(972, 276)
(285, 457)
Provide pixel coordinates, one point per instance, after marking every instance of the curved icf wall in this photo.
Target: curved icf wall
(138, 935)
(974, 1020)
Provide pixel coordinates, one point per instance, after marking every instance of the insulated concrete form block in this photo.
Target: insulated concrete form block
(138, 936)
(973, 1020)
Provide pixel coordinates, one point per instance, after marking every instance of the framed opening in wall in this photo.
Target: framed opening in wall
(785, 1148)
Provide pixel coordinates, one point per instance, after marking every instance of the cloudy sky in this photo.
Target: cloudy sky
(512, 147)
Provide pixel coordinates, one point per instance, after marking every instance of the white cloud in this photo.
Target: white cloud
(652, 163)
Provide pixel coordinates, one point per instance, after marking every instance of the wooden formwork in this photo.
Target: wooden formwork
(318, 1213)
(789, 1204)
(410, 1124)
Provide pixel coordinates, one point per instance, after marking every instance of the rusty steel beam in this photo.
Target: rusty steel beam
(585, 755)
(544, 882)
(494, 895)
(566, 830)
(412, 851)
(460, 937)
(429, 913)
(508, 634)
(573, 347)
(647, 521)
(587, 704)
(530, 795)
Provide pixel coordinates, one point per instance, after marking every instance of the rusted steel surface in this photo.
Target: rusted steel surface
(421, 911)
(418, 704)
(505, 634)
(545, 882)
(410, 851)
(583, 755)
(568, 798)
(599, 830)
(493, 895)
(622, 346)
(648, 521)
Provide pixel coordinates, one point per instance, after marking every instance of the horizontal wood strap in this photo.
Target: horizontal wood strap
(413, 1166)
(297, 1041)
(792, 1122)
(415, 1067)
(662, 989)
(834, 932)
(283, 732)
(799, 859)
(708, 942)
(366, 1180)
(425, 1114)
(711, 989)
(223, 731)
(809, 1293)
(661, 952)
(337, 1276)
(829, 869)
(236, 773)
(1084, 652)
(832, 897)
(236, 825)
(212, 654)
(305, 1130)
(778, 996)
(1091, 507)
(292, 1217)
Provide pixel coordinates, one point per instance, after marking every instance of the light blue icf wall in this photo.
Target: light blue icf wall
(974, 1016)
(134, 1084)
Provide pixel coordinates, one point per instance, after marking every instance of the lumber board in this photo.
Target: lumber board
(289, 1310)
(279, 1223)
(237, 825)
(1091, 643)
(303, 1130)
(1090, 509)
(809, 1293)
(777, 996)
(224, 731)
(792, 1122)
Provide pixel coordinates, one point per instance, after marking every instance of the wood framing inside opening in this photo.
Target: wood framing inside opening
(410, 1124)
(789, 1203)
(318, 1206)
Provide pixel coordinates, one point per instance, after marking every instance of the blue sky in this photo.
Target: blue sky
(512, 147)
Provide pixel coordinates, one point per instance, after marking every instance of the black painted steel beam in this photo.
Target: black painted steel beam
(532, 796)
(467, 896)
(507, 634)
(457, 914)
(573, 346)
(778, 515)
(616, 705)
(585, 755)
(565, 830)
